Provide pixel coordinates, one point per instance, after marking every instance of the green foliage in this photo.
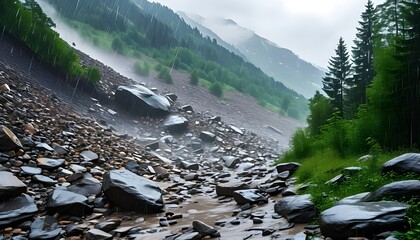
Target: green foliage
(216, 89)
(301, 144)
(319, 112)
(165, 75)
(118, 46)
(142, 68)
(413, 217)
(194, 77)
(28, 23)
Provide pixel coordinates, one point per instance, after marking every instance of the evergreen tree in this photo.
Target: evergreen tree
(319, 112)
(338, 76)
(362, 60)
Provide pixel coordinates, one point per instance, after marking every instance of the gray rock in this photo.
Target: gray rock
(250, 196)
(17, 209)
(206, 136)
(44, 147)
(227, 189)
(49, 163)
(189, 236)
(89, 156)
(362, 219)
(204, 229)
(44, 228)
(292, 167)
(237, 130)
(296, 209)
(283, 175)
(10, 186)
(351, 170)
(96, 234)
(396, 190)
(44, 180)
(108, 225)
(31, 170)
(189, 166)
(132, 192)
(68, 203)
(352, 199)
(74, 230)
(86, 186)
(337, 179)
(230, 161)
(176, 124)
(140, 100)
(409, 162)
(187, 108)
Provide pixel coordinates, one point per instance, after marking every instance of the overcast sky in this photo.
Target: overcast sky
(310, 28)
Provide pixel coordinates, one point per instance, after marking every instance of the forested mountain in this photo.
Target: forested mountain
(137, 27)
(280, 63)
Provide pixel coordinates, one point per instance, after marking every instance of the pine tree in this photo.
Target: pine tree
(338, 76)
(362, 60)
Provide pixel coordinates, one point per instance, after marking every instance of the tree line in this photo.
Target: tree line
(374, 90)
(26, 21)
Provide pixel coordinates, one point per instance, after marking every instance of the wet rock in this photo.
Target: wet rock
(292, 167)
(176, 124)
(348, 171)
(44, 147)
(362, 219)
(172, 97)
(10, 186)
(17, 209)
(89, 156)
(187, 108)
(206, 136)
(132, 192)
(96, 234)
(365, 157)
(189, 236)
(86, 186)
(44, 180)
(296, 209)
(44, 228)
(31, 170)
(230, 161)
(108, 225)
(283, 175)
(396, 190)
(189, 166)
(237, 130)
(409, 162)
(191, 176)
(74, 230)
(250, 196)
(49, 163)
(8, 140)
(227, 189)
(68, 203)
(336, 179)
(140, 100)
(352, 199)
(204, 229)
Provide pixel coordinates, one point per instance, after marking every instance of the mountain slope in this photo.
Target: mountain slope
(280, 63)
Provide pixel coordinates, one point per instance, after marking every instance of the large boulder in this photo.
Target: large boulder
(17, 209)
(140, 100)
(132, 192)
(10, 186)
(362, 219)
(396, 190)
(409, 162)
(8, 140)
(68, 203)
(296, 209)
(176, 124)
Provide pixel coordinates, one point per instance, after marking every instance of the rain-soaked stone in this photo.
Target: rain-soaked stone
(352, 199)
(396, 190)
(132, 192)
(362, 219)
(250, 196)
(230, 161)
(409, 162)
(207, 136)
(283, 175)
(89, 156)
(189, 165)
(31, 170)
(227, 189)
(140, 100)
(292, 167)
(189, 236)
(44, 180)
(108, 226)
(296, 209)
(204, 229)
(44, 228)
(44, 147)
(10, 186)
(68, 203)
(49, 163)
(17, 209)
(74, 230)
(86, 186)
(176, 124)
(96, 234)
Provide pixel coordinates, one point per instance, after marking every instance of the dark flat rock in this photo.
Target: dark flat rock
(230, 161)
(292, 167)
(31, 170)
(227, 189)
(44, 228)
(86, 186)
(207, 136)
(396, 191)
(96, 234)
(132, 192)
(204, 229)
(409, 162)
(250, 196)
(50, 163)
(10, 186)
(44, 180)
(17, 209)
(176, 124)
(89, 156)
(296, 209)
(68, 203)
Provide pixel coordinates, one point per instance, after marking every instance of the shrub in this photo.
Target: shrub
(165, 75)
(93, 74)
(194, 77)
(217, 89)
(142, 69)
(301, 144)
